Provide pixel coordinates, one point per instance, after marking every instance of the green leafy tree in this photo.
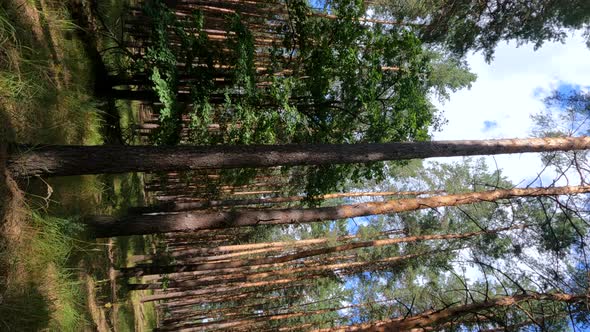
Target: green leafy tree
(469, 25)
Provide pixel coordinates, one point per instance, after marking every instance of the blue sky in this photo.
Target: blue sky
(317, 3)
(508, 90)
(352, 224)
(489, 125)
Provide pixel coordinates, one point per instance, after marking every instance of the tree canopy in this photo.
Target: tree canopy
(470, 25)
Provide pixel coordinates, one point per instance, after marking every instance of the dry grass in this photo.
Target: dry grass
(11, 211)
(17, 292)
(45, 98)
(11, 217)
(36, 292)
(41, 102)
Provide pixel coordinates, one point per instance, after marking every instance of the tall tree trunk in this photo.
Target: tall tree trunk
(147, 224)
(252, 320)
(220, 290)
(177, 314)
(188, 206)
(189, 302)
(153, 276)
(310, 272)
(272, 261)
(212, 254)
(77, 160)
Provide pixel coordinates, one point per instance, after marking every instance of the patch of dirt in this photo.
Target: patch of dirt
(53, 42)
(16, 291)
(48, 289)
(113, 282)
(30, 15)
(11, 219)
(13, 199)
(96, 311)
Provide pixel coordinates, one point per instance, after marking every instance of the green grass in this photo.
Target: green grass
(125, 320)
(7, 30)
(42, 103)
(24, 309)
(52, 245)
(46, 84)
(104, 194)
(45, 78)
(150, 316)
(46, 286)
(42, 291)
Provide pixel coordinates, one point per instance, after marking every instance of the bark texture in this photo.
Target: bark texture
(77, 160)
(106, 226)
(188, 206)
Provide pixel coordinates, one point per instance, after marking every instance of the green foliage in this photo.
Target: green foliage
(361, 84)
(243, 55)
(347, 95)
(449, 73)
(198, 49)
(565, 114)
(561, 232)
(168, 133)
(161, 63)
(469, 25)
(328, 80)
(165, 282)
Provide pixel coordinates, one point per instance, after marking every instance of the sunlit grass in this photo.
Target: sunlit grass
(46, 95)
(53, 240)
(45, 78)
(42, 292)
(45, 89)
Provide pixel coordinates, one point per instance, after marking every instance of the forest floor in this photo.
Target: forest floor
(53, 275)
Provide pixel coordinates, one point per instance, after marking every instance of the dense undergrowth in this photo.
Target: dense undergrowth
(46, 258)
(44, 77)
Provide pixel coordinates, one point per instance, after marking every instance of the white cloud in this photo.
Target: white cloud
(508, 91)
